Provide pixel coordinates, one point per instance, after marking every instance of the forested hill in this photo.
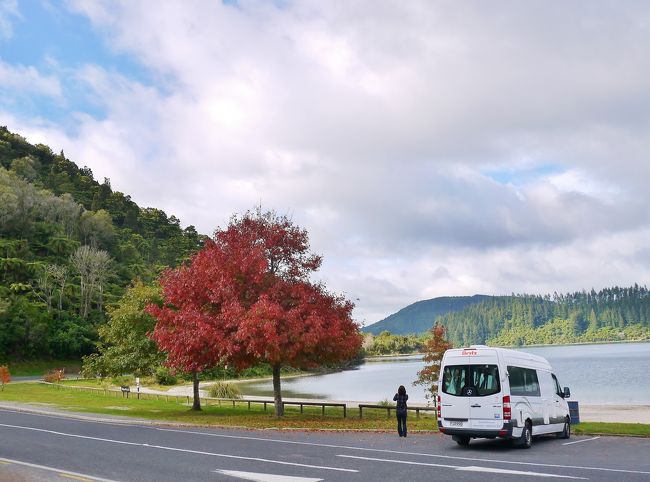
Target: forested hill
(611, 314)
(420, 316)
(69, 246)
(608, 315)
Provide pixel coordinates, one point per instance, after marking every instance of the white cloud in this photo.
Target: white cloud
(22, 80)
(371, 123)
(8, 11)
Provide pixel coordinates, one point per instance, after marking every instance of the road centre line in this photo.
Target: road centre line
(162, 447)
(53, 469)
(580, 441)
(467, 468)
(417, 454)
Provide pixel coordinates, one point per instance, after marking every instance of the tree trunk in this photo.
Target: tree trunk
(277, 393)
(195, 386)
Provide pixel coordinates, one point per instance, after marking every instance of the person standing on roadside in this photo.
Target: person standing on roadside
(401, 397)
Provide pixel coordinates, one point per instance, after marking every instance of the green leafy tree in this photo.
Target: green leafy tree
(124, 346)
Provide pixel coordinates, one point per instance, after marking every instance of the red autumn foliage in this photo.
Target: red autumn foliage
(5, 376)
(246, 298)
(54, 376)
(434, 349)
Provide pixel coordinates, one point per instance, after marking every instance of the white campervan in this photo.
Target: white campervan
(486, 392)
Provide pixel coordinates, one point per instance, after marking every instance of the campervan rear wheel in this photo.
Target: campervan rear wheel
(566, 432)
(461, 440)
(526, 439)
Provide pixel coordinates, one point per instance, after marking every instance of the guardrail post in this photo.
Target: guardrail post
(344, 411)
(323, 410)
(360, 412)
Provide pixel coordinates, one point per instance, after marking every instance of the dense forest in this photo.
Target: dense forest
(611, 314)
(69, 247)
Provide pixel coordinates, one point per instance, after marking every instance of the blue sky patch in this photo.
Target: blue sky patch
(519, 176)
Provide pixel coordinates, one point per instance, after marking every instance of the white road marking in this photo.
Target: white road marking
(265, 477)
(417, 454)
(580, 441)
(343, 447)
(517, 472)
(174, 449)
(53, 469)
(466, 468)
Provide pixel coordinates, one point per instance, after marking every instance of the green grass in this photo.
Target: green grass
(590, 428)
(224, 415)
(172, 410)
(40, 367)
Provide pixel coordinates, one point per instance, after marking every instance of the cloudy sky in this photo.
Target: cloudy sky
(430, 148)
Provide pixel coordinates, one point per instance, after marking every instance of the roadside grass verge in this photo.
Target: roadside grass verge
(603, 428)
(39, 367)
(211, 415)
(168, 409)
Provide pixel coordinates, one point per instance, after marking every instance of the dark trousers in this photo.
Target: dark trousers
(401, 424)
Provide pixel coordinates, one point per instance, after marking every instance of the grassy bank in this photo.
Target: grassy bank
(169, 409)
(173, 412)
(608, 428)
(40, 367)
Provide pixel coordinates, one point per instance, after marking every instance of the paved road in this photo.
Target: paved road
(61, 448)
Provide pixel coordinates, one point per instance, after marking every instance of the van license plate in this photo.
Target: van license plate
(456, 423)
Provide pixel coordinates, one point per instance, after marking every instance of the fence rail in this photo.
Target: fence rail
(388, 408)
(207, 401)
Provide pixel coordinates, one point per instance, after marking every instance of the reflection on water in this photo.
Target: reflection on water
(597, 374)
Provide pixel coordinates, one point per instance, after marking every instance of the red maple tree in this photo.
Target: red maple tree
(434, 349)
(246, 298)
(5, 377)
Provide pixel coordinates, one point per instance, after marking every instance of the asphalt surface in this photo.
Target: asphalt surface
(54, 447)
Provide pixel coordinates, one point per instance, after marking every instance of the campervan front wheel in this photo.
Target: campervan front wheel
(566, 432)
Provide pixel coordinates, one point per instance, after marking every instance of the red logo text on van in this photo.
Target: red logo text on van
(469, 353)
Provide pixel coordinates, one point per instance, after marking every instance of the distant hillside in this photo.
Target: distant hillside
(420, 316)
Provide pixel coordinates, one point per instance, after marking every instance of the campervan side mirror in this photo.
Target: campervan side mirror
(567, 392)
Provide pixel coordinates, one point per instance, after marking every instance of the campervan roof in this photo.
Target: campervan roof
(505, 354)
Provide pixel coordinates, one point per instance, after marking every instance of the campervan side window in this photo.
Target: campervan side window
(483, 378)
(523, 382)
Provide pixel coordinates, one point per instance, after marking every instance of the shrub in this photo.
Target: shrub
(123, 380)
(53, 376)
(165, 377)
(224, 390)
(5, 376)
(385, 403)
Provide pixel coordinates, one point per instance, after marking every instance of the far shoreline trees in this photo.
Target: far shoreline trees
(246, 298)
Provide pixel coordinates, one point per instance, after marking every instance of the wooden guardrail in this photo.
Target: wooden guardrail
(125, 391)
(388, 408)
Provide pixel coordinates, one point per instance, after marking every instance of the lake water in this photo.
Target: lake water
(615, 374)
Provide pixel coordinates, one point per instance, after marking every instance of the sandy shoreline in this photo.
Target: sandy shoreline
(615, 413)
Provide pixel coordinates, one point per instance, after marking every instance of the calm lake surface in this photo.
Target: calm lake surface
(615, 374)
